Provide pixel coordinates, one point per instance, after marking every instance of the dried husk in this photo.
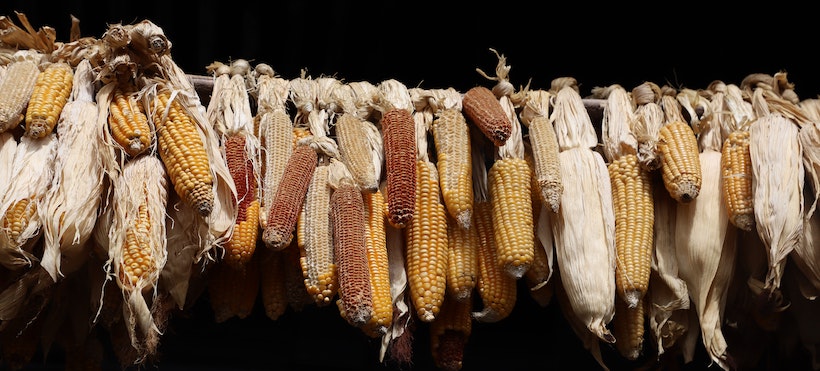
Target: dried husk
(8, 147)
(584, 227)
(807, 254)
(72, 202)
(399, 290)
(367, 179)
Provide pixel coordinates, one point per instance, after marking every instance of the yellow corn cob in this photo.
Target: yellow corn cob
(545, 160)
(316, 239)
(355, 150)
(184, 154)
(510, 182)
(398, 130)
(426, 237)
(17, 86)
(628, 327)
(128, 123)
(350, 250)
(483, 109)
(452, 140)
(289, 197)
(379, 266)
(496, 288)
(138, 262)
(680, 166)
(17, 219)
(538, 275)
(449, 334)
(462, 262)
(242, 243)
(51, 93)
(634, 226)
(233, 292)
(736, 168)
(272, 282)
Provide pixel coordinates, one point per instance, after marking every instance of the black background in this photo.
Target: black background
(435, 44)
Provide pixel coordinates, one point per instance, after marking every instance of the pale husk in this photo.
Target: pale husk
(402, 314)
(616, 125)
(807, 254)
(71, 204)
(31, 176)
(649, 119)
(143, 183)
(8, 147)
(590, 341)
(584, 227)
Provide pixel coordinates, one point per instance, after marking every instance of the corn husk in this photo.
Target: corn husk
(8, 147)
(31, 176)
(706, 243)
(590, 341)
(143, 183)
(399, 333)
(807, 254)
(72, 203)
(647, 124)
(584, 227)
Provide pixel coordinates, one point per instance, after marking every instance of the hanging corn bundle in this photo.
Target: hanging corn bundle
(426, 231)
(705, 243)
(777, 170)
(584, 227)
(17, 87)
(230, 112)
(360, 143)
(634, 219)
(451, 136)
(275, 132)
(136, 252)
(71, 204)
(541, 135)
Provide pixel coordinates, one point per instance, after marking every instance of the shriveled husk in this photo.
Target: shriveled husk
(72, 202)
(807, 254)
(584, 227)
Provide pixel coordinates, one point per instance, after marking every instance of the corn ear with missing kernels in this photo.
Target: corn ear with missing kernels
(17, 86)
(51, 93)
(400, 161)
(183, 152)
(315, 240)
(680, 167)
(289, 197)
(128, 123)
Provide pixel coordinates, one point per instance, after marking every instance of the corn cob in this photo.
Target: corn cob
(233, 292)
(537, 278)
(426, 240)
(315, 237)
(379, 265)
(496, 288)
(544, 143)
(242, 244)
(272, 286)
(50, 94)
(449, 334)
(183, 153)
(736, 170)
(128, 123)
(348, 218)
(289, 197)
(399, 139)
(628, 327)
(483, 109)
(462, 262)
(359, 140)
(679, 166)
(17, 86)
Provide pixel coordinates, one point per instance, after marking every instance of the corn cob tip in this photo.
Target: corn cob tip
(745, 222)
(551, 195)
(37, 128)
(275, 240)
(687, 191)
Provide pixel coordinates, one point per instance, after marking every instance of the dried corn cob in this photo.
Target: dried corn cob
(348, 218)
(452, 140)
(538, 277)
(399, 140)
(289, 197)
(272, 286)
(315, 238)
(482, 108)
(233, 292)
(681, 171)
(360, 143)
(128, 123)
(449, 334)
(17, 86)
(535, 115)
(736, 170)
(496, 288)
(462, 262)
(376, 243)
(182, 151)
(242, 244)
(49, 96)
(628, 327)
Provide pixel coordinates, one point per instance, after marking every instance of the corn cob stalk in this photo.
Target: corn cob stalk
(705, 244)
(399, 141)
(128, 123)
(535, 115)
(496, 288)
(275, 133)
(137, 251)
(426, 234)
(450, 333)
(451, 135)
(360, 143)
(679, 166)
(233, 292)
(182, 151)
(584, 227)
(17, 86)
(377, 260)
(272, 286)
(348, 218)
(71, 204)
(31, 176)
(49, 96)
(632, 198)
